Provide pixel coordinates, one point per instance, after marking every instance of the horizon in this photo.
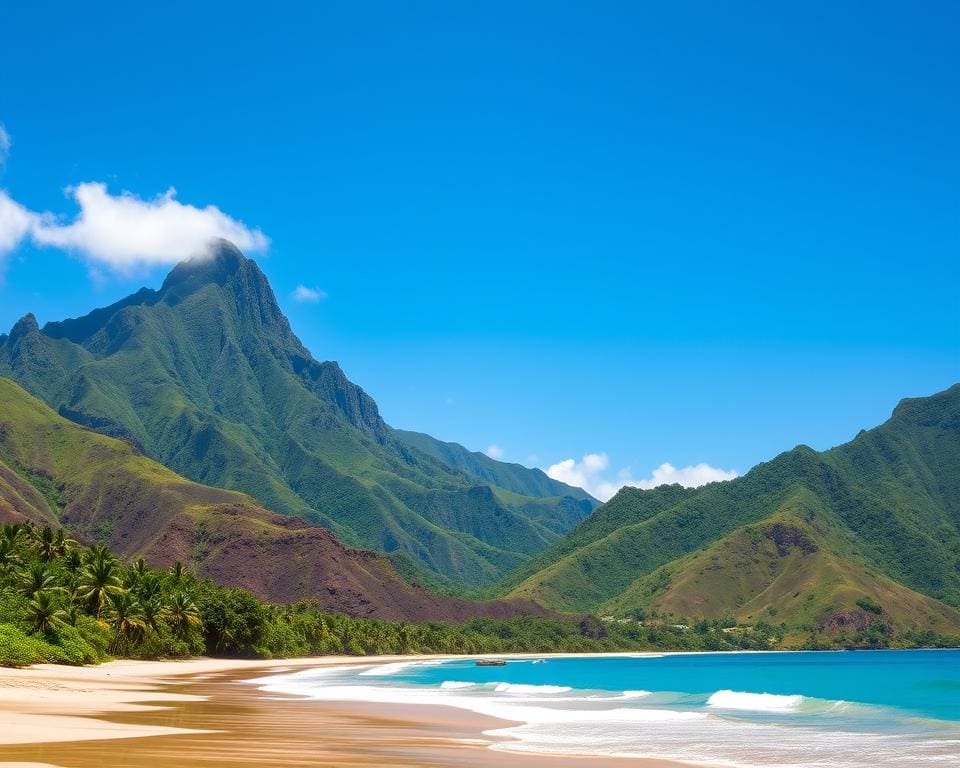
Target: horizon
(586, 246)
(473, 369)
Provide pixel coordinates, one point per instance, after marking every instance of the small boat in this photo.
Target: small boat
(539, 661)
(491, 663)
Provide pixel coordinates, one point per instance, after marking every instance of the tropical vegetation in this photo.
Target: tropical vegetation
(206, 377)
(855, 546)
(809, 538)
(65, 603)
(56, 473)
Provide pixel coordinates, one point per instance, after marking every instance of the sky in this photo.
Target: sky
(625, 242)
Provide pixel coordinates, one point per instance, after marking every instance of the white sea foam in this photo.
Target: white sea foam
(521, 688)
(384, 670)
(595, 697)
(755, 702)
(718, 731)
(306, 676)
(535, 693)
(523, 709)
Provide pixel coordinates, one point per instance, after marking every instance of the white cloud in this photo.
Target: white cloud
(4, 144)
(586, 473)
(494, 451)
(689, 477)
(590, 473)
(123, 232)
(15, 223)
(303, 294)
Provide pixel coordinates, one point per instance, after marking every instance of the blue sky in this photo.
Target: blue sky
(685, 234)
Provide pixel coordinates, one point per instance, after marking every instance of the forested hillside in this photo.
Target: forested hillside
(206, 376)
(55, 473)
(869, 528)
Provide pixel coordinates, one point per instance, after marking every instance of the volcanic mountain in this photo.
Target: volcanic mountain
(206, 377)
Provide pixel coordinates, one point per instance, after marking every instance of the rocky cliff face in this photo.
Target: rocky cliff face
(206, 376)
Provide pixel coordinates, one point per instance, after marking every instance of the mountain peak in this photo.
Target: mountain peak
(23, 326)
(239, 281)
(217, 264)
(225, 255)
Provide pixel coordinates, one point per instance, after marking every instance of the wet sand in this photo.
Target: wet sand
(199, 713)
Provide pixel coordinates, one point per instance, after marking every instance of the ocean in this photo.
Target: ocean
(746, 710)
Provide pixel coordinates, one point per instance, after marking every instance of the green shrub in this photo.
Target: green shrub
(13, 606)
(17, 649)
(95, 634)
(73, 647)
(871, 605)
(162, 643)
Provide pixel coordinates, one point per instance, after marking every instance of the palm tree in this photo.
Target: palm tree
(99, 580)
(45, 542)
(137, 572)
(69, 583)
(36, 578)
(182, 613)
(13, 532)
(149, 587)
(178, 576)
(98, 552)
(72, 612)
(9, 556)
(64, 543)
(44, 613)
(72, 560)
(405, 636)
(153, 613)
(126, 616)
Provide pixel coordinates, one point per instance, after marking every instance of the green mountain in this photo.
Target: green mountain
(54, 472)
(206, 376)
(511, 477)
(809, 538)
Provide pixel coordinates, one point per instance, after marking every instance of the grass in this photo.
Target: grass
(883, 509)
(206, 377)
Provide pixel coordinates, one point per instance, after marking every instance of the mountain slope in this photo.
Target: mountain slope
(886, 508)
(206, 376)
(511, 477)
(782, 569)
(53, 471)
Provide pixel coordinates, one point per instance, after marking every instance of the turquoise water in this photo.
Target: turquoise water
(816, 710)
(925, 683)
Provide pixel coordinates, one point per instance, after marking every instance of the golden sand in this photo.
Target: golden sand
(199, 713)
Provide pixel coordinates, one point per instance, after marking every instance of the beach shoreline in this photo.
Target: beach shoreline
(189, 712)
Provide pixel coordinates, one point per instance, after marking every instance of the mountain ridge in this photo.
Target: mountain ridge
(886, 503)
(206, 376)
(511, 476)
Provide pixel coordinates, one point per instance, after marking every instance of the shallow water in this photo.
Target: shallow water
(817, 710)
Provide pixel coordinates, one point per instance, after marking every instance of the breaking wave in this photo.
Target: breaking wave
(737, 728)
(756, 702)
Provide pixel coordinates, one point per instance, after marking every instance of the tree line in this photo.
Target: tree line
(66, 603)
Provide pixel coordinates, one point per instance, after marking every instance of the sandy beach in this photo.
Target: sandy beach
(177, 714)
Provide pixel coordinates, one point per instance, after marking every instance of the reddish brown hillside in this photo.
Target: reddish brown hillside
(54, 470)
